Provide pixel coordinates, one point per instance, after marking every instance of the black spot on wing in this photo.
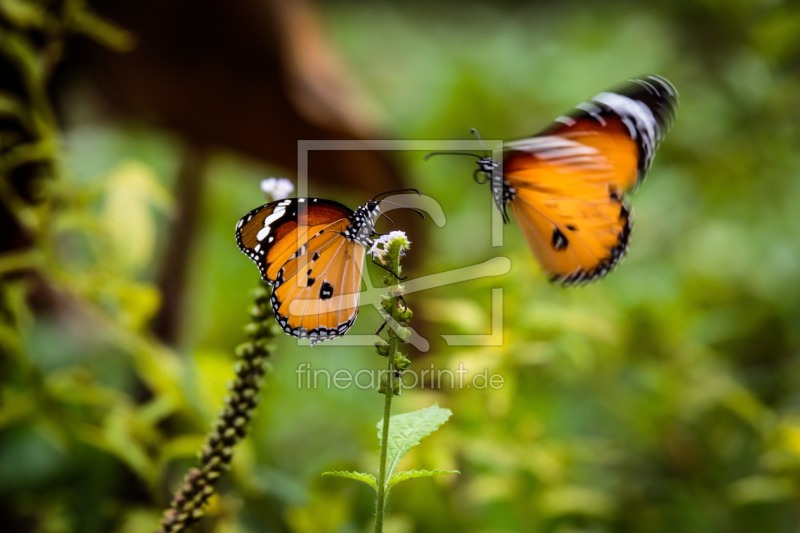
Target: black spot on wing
(604, 267)
(326, 291)
(559, 241)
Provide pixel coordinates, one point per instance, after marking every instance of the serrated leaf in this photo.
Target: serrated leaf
(369, 479)
(414, 474)
(408, 429)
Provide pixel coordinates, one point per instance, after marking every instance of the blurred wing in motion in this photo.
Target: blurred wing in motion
(566, 185)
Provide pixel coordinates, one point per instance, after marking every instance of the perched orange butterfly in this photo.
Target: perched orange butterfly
(566, 184)
(311, 251)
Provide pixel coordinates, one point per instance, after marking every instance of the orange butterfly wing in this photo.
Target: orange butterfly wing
(565, 185)
(573, 220)
(312, 253)
(316, 294)
(625, 124)
(272, 233)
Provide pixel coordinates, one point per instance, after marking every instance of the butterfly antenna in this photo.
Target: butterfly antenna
(420, 212)
(382, 195)
(414, 209)
(431, 154)
(387, 217)
(476, 133)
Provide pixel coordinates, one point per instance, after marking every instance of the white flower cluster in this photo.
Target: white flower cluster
(276, 188)
(381, 244)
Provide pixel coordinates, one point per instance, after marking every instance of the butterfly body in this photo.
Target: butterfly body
(311, 251)
(566, 184)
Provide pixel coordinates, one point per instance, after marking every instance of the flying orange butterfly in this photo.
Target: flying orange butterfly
(311, 251)
(566, 184)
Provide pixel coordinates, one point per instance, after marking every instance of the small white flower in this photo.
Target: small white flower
(276, 188)
(381, 245)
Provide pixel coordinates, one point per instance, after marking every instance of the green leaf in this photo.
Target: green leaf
(414, 474)
(369, 479)
(408, 429)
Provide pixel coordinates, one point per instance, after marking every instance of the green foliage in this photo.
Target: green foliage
(399, 433)
(368, 479)
(662, 397)
(70, 16)
(397, 477)
(406, 431)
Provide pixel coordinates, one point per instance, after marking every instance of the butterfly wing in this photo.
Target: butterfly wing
(317, 291)
(576, 225)
(306, 249)
(565, 185)
(272, 233)
(626, 125)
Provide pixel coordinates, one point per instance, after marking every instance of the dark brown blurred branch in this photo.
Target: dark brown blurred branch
(254, 76)
(189, 189)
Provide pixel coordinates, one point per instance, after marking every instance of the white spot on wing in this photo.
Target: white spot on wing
(567, 121)
(279, 211)
(637, 114)
(593, 110)
(564, 151)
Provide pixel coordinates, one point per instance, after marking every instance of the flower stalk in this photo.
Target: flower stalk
(397, 316)
(198, 485)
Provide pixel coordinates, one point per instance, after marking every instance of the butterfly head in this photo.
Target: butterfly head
(487, 168)
(491, 171)
(362, 223)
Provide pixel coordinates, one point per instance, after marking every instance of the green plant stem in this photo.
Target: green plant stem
(388, 394)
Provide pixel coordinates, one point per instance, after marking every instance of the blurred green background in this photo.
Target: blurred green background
(664, 398)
